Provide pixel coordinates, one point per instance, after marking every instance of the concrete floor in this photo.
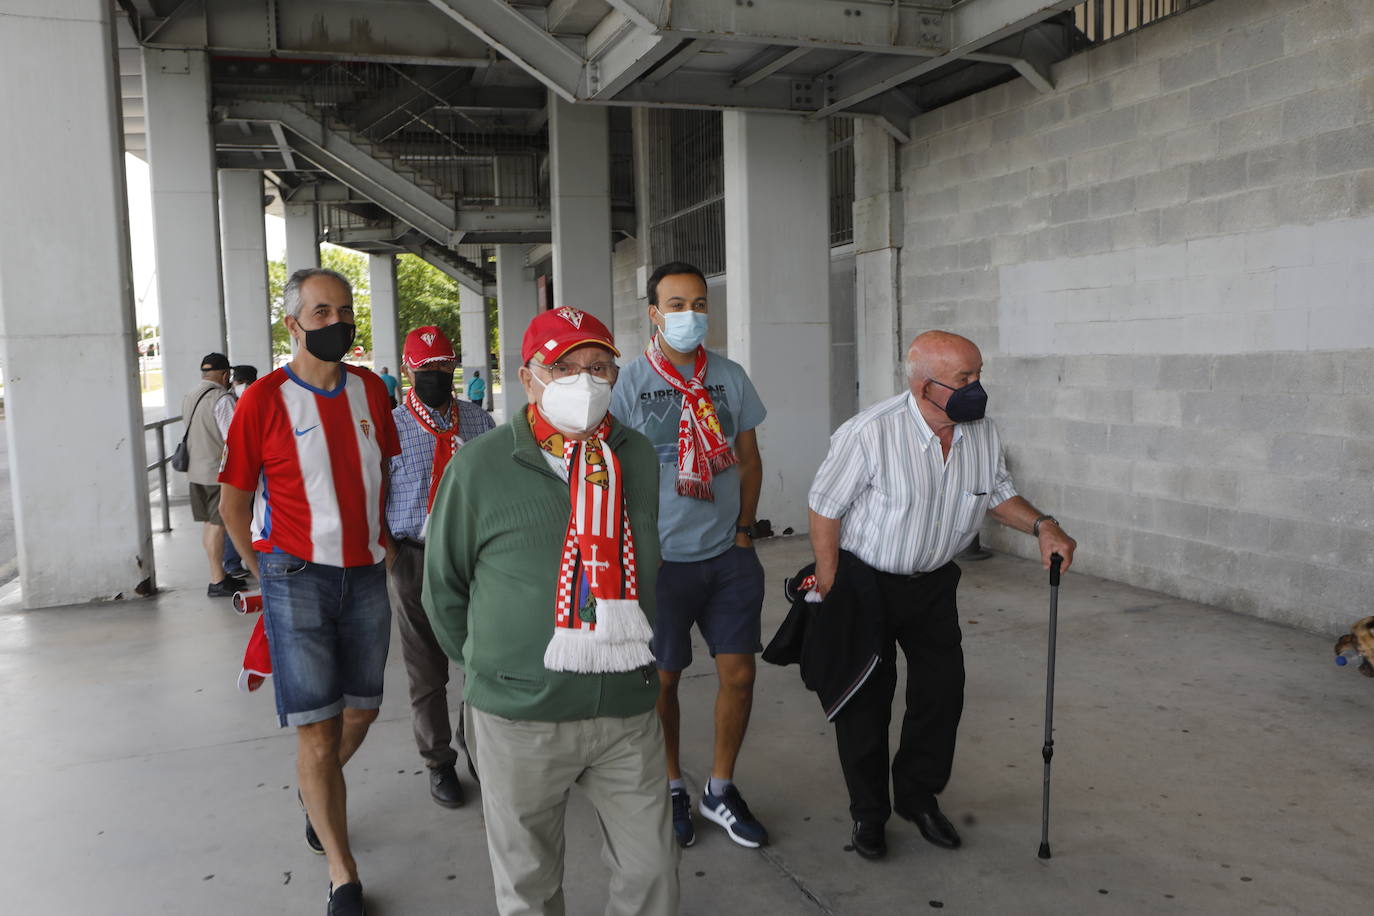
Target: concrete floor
(1206, 763)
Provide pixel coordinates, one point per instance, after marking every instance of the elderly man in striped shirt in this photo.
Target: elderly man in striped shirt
(904, 488)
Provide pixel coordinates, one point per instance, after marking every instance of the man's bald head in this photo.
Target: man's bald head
(936, 354)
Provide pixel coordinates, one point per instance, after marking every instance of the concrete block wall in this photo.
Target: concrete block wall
(1169, 264)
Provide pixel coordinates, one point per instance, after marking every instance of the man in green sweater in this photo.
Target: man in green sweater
(540, 566)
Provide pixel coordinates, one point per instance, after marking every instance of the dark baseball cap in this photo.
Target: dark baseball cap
(214, 362)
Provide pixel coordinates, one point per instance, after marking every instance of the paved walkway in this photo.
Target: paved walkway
(1206, 763)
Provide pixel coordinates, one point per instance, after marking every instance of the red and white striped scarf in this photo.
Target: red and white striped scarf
(599, 626)
(701, 446)
(446, 441)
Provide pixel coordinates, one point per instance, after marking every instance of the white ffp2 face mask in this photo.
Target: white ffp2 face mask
(575, 405)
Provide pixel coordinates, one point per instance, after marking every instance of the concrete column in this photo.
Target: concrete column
(302, 235)
(777, 241)
(580, 184)
(243, 237)
(878, 225)
(73, 416)
(475, 332)
(516, 305)
(386, 339)
(181, 157)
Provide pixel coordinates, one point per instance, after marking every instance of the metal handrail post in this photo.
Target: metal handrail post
(162, 477)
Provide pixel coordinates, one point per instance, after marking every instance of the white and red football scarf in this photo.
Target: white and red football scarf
(598, 625)
(446, 441)
(257, 661)
(701, 446)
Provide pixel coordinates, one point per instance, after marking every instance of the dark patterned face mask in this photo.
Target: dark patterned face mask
(965, 404)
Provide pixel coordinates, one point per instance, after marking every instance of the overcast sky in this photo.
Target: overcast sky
(141, 239)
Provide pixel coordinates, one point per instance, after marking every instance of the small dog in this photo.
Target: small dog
(1361, 639)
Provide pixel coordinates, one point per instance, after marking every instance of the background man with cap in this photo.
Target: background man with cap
(205, 443)
(241, 378)
(539, 581)
(432, 425)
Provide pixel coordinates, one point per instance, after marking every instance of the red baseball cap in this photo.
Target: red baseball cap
(553, 333)
(427, 345)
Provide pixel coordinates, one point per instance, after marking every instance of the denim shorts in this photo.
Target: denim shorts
(722, 596)
(328, 631)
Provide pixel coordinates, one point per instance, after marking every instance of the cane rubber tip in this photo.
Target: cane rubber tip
(1044, 850)
(1340, 660)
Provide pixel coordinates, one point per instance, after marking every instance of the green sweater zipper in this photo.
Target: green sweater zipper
(491, 564)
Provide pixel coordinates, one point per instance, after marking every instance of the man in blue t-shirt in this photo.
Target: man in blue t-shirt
(391, 382)
(700, 411)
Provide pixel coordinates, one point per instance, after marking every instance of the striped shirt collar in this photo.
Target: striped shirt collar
(924, 434)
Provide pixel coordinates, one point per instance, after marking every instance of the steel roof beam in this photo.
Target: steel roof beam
(525, 42)
(757, 71)
(974, 24)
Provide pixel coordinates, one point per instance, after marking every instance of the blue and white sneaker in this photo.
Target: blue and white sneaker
(729, 810)
(683, 831)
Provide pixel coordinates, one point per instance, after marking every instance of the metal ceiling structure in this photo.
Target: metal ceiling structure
(423, 121)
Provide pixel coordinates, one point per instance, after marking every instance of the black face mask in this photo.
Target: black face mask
(434, 387)
(965, 404)
(331, 342)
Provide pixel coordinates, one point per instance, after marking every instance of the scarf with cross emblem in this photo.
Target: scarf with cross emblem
(599, 626)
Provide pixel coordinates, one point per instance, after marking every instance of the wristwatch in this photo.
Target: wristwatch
(1035, 529)
(745, 529)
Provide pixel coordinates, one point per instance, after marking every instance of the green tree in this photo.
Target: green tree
(426, 295)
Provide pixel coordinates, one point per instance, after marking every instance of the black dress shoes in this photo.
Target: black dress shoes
(934, 826)
(445, 788)
(869, 839)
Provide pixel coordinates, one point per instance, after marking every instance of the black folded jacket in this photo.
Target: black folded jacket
(837, 642)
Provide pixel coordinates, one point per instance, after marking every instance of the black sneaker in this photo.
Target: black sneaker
(729, 810)
(312, 839)
(683, 830)
(346, 900)
(225, 587)
(445, 788)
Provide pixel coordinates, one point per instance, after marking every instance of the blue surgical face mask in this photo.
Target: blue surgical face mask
(684, 331)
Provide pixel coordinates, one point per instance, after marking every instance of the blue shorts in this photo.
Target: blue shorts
(328, 631)
(723, 596)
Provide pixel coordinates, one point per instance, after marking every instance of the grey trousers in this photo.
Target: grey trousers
(528, 770)
(427, 667)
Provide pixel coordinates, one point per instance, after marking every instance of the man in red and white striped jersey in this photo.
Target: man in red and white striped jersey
(303, 494)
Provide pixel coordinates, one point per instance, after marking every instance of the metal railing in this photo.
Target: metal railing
(160, 465)
(686, 193)
(1103, 20)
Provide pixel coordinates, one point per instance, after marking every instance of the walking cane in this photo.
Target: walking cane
(1048, 750)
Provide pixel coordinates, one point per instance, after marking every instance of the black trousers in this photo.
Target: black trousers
(920, 615)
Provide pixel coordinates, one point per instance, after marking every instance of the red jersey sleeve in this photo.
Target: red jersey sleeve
(242, 461)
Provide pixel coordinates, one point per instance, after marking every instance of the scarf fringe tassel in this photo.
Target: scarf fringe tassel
(726, 459)
(583, 652)
(696, 489)
(622, 620)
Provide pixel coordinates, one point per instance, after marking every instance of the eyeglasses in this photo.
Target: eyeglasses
(562, 370)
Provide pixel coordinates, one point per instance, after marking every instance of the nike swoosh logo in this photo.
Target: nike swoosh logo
(302, 432)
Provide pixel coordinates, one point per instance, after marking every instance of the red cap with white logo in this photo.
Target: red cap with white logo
(555, 332)
(427, 345)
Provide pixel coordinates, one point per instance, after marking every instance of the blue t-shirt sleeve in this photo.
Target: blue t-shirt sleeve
(624, 395)
(751, 409)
